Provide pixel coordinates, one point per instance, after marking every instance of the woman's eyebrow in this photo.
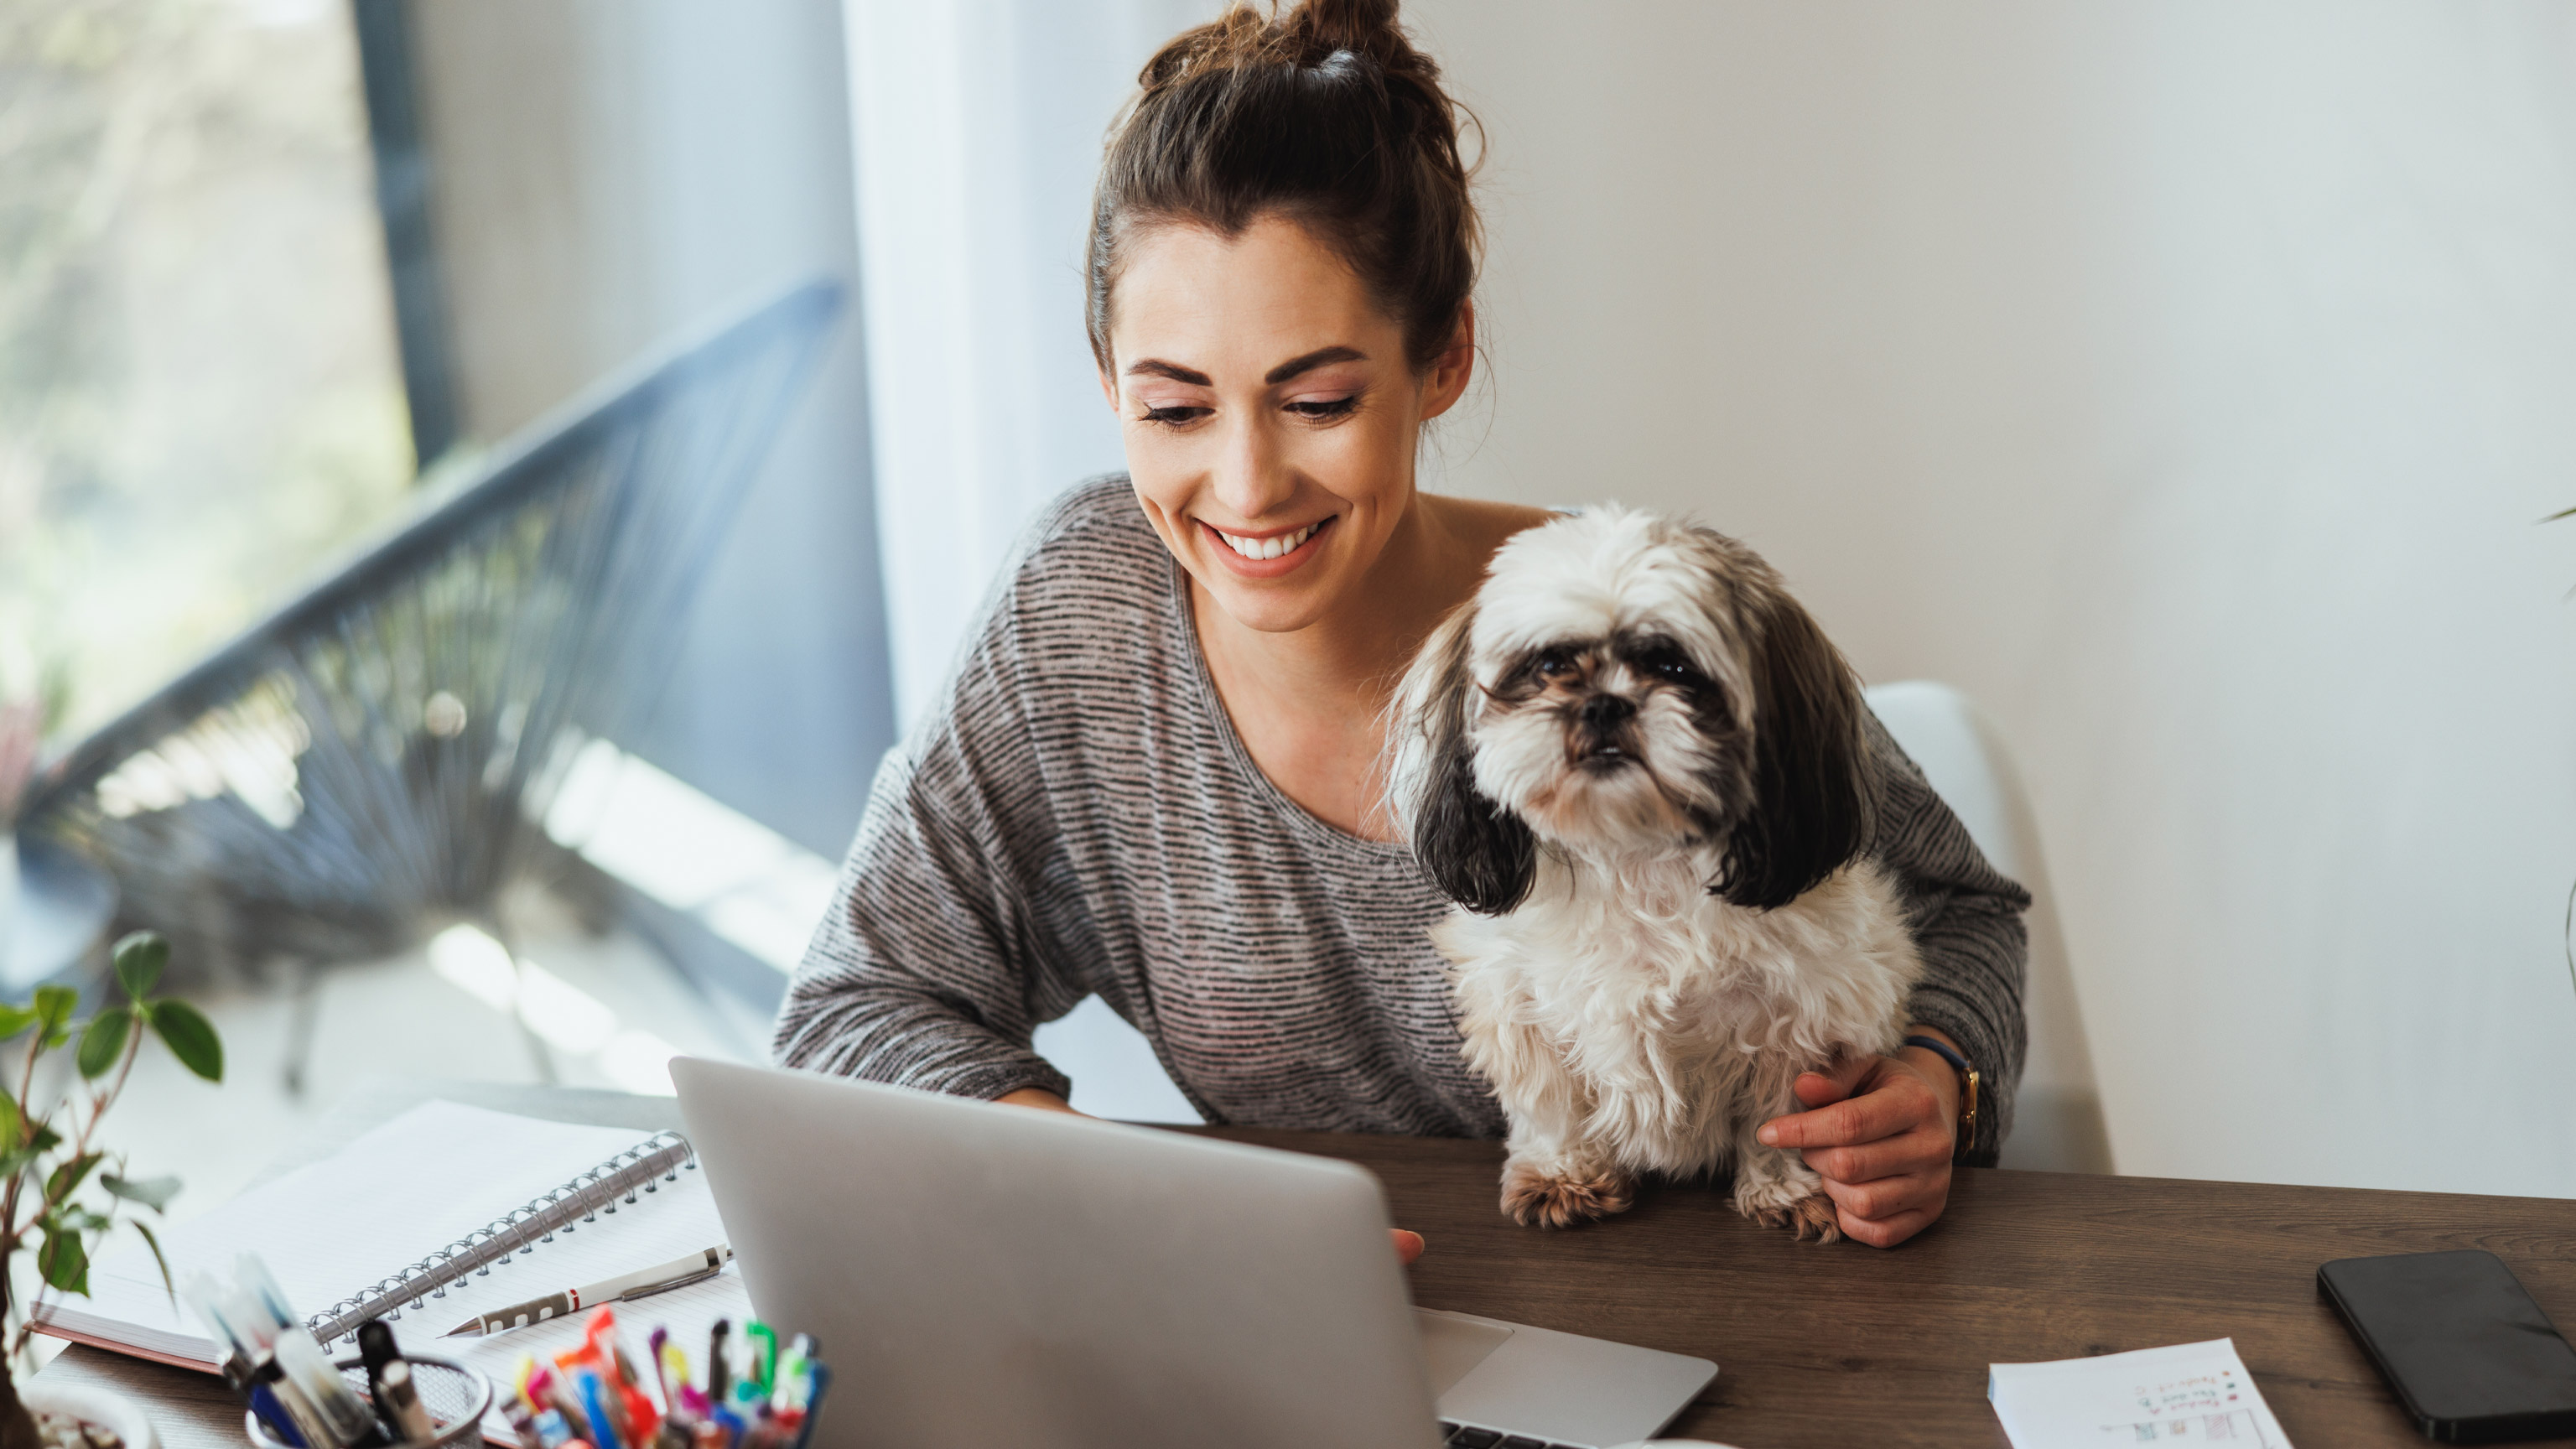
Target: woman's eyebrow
(1154, 367)
(1320, 357)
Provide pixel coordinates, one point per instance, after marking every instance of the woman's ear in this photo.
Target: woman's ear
(1109, 389)
(1811, 788)
(1480, 854)
(1446, 381)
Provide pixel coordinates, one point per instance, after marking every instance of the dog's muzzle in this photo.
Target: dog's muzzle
(1603, 740)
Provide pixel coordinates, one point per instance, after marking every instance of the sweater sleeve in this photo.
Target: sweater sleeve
(1967, 923)
(928, 970)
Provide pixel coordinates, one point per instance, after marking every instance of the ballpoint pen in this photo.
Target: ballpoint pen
(703, 1264)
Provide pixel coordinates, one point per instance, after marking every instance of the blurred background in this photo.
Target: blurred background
(2182, 381)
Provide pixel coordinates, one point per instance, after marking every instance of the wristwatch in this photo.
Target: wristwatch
(1968, 1081)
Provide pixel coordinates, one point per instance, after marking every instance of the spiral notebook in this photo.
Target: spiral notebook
(446, 1211)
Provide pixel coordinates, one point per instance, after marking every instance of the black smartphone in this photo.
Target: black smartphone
(2468, 1353)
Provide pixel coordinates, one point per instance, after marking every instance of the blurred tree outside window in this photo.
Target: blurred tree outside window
(201, 398)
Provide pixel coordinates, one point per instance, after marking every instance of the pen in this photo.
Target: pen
(376, 1349)
(702, 1264)
(716, 1362)
(403, 1405)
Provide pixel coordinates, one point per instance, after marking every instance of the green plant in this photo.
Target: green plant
(53, 1159)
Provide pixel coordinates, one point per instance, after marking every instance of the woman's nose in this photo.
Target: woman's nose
(1251, 475)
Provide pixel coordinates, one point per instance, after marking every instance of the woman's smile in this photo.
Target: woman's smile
(1268, 555)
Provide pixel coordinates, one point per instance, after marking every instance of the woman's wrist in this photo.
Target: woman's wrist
(1950, 1085)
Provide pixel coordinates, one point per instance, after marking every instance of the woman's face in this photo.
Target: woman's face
(1270, 415)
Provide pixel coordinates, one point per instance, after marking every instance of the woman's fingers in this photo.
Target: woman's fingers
(1889, 1231)
(1834, 1083)
(1919, 1150)
(1408, 1246)
(1882, 1112)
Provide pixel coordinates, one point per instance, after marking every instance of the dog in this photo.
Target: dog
(1641, 772)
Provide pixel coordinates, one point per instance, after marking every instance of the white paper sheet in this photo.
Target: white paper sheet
(2191, 1393)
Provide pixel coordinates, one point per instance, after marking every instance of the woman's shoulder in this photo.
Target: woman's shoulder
(1092, 539)
(1089, 573)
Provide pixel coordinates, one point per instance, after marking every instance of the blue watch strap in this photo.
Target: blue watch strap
(1941, 1049)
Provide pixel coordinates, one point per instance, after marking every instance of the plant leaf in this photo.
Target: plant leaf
(15, 1019)
(63, 1261)
(190, 1037)
(154, 1244)
(104, 1040)
(153, 1192)
(54, 1007)
(67, 1178)
(9, 1121)
(139, 959)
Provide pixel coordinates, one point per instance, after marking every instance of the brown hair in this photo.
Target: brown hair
(1325, 115)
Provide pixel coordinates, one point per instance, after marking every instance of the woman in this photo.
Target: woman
(1153, 776)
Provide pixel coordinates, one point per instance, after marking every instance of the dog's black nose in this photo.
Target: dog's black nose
(1605, 712)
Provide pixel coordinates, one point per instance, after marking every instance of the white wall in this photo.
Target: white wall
(2182, 379)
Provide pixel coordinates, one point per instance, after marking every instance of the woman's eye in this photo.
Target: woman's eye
(1180, 413)
(1337, 407)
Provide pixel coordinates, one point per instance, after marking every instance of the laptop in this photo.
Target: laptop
(997, 1277)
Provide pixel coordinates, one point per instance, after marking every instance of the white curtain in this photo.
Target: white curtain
(978, 126)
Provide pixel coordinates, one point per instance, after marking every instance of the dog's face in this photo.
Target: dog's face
(1624, 685)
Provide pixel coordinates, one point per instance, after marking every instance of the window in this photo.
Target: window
(201, 400)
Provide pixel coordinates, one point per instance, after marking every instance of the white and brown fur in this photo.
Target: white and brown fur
(1639, 768)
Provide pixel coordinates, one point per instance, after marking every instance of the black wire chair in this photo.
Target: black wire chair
(374, 760)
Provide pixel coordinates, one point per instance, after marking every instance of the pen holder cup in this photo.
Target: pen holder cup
(456, 1396)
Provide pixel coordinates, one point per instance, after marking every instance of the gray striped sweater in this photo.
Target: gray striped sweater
(1077, 815)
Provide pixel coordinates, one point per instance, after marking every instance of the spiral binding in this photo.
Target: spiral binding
(588, 1194)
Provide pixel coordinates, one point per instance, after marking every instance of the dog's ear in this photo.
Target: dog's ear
(1479, 854)
(1812, 801)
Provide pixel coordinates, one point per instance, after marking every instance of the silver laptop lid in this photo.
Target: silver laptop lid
(997, 1277)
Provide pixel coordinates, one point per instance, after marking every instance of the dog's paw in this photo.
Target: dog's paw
(1811, 1215)
(1561, 1200)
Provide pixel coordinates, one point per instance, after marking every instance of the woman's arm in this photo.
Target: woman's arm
(925, 972)
(1883, 1131)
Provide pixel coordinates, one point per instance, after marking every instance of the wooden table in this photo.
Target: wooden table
(1818, 1347)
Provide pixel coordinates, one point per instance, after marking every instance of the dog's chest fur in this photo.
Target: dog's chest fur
(1682, 1017)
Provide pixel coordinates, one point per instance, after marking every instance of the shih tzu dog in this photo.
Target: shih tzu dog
(1640, 769)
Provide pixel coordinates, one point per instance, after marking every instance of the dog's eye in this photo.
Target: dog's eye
(1670, 663)
(1552, 664)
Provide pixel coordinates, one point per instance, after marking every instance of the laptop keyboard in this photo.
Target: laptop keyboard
(1460, 1434)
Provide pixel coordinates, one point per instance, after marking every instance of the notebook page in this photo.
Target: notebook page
(2190, 1393)
(689, 1313)
(331, 1229)
(677, 1219)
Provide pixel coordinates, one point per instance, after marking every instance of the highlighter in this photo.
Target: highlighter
(593, 1402)
(818, 1378)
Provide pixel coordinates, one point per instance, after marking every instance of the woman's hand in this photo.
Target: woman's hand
(1408, 1246)
(1880, 1131)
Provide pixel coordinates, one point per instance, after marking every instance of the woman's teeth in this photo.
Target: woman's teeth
(1285, 543)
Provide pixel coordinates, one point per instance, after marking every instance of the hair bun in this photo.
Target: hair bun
(1363, 27)
(1309, 36)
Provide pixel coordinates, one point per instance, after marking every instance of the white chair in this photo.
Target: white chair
(2057, 1113)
